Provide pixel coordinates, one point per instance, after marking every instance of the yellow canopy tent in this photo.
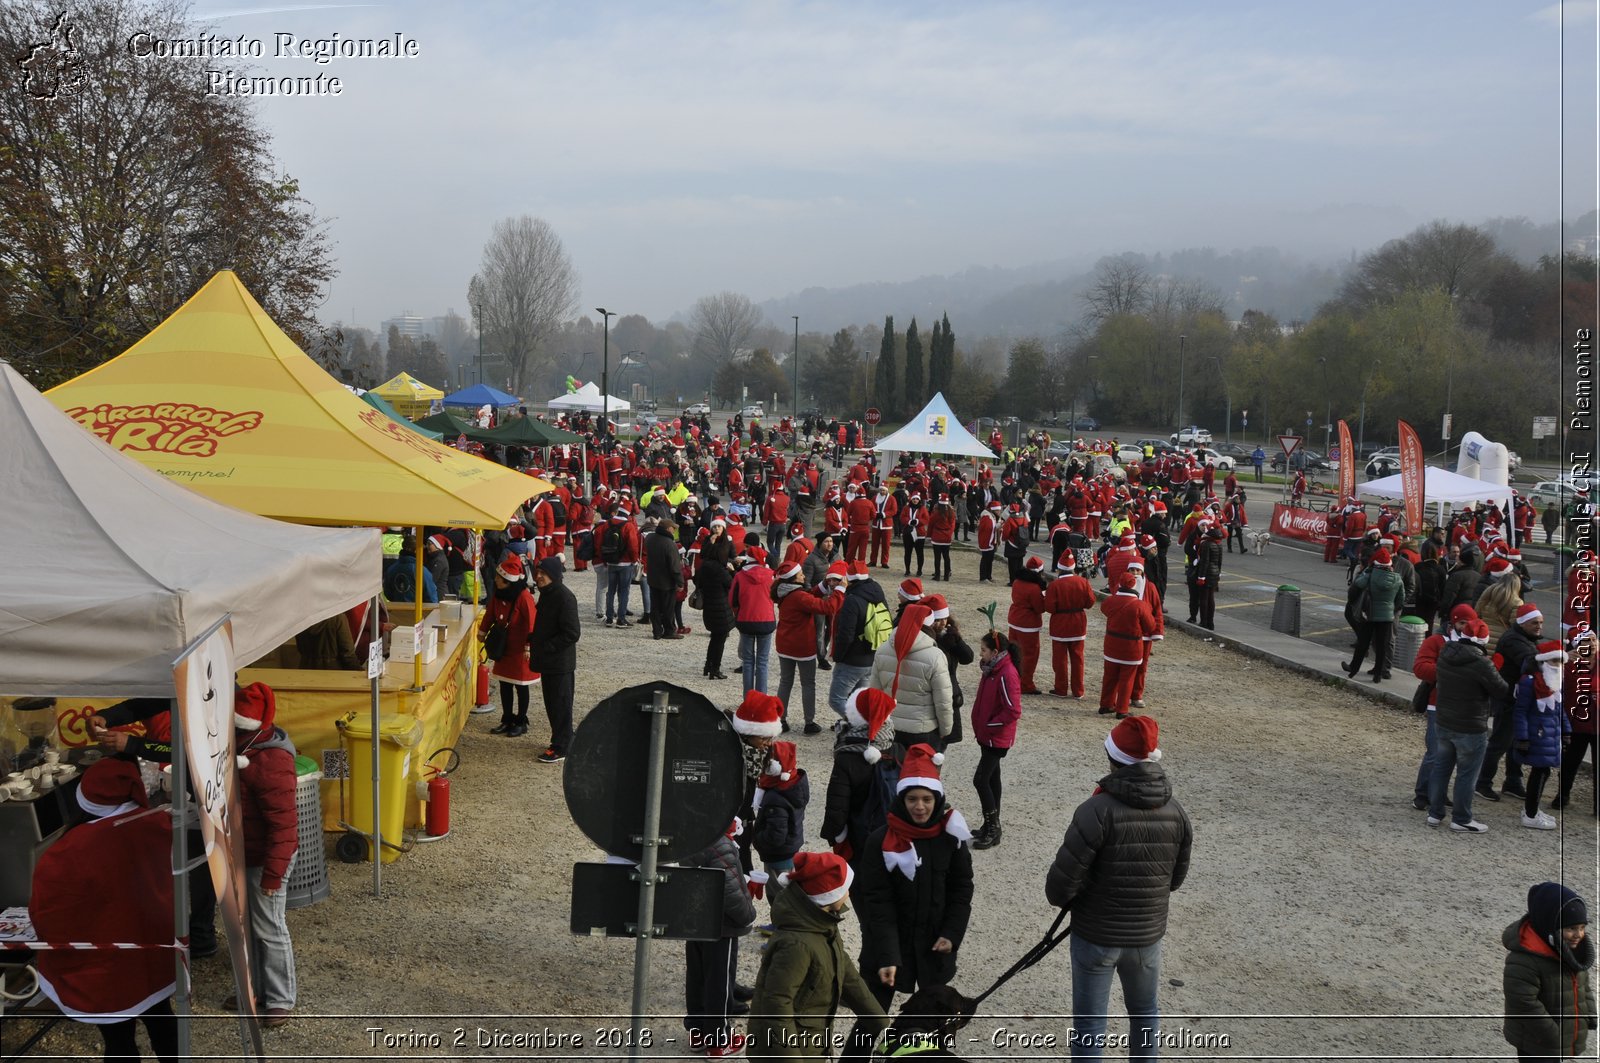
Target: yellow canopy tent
(218, 398)
(410, 396)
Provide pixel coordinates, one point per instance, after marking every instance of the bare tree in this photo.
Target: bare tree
(722, 324)
(1455, 258)
(1121, 286)
(525, 286)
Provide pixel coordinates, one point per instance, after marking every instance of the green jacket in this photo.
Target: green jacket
(1550, 1005)
(804, 976)
(1388, 593)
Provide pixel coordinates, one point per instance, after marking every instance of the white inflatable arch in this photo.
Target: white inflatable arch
(1482, 459)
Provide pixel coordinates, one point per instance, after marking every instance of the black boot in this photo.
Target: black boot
(981, 838)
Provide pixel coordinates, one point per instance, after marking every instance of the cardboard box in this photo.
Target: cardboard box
(404, 644)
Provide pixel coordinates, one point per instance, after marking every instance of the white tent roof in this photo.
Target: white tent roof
(1439, 485)
(587, 398)
(935, 431)
(116, 568)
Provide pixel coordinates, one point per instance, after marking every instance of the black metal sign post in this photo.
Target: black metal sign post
(651, 841)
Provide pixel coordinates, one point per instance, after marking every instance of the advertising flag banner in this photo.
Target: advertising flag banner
(1411, 465)
(1347, 463)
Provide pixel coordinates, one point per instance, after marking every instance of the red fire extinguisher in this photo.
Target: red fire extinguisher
(436, 822)
(483, 684)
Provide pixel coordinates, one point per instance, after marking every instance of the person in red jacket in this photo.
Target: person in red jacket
(884, 511)
(267, 795)
(859, 512)
(1146, 589)
(941, 533)
(988, 540)
(1426, 668)
(109, 879)
(995, 712)
(617, 545)
(775, 513)
(1067, 600)
(834, 522)
(511, 606)
(544, 527)
(799, 547)
(1128, 621)
(580, 519)
(796, 642)
(1078, 509)
(1026, 618)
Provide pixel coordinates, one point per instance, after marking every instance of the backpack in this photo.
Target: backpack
(558, 510)
(611, 542)
(400, 583)
(878, 627)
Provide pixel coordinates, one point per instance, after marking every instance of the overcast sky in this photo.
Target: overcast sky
(766, 147)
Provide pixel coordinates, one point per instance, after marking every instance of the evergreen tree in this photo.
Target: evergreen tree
(1021, 387)
(946, 363)
(883, 392)
(915, 391)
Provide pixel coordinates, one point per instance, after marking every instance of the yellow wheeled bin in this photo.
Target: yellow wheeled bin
(399, 737)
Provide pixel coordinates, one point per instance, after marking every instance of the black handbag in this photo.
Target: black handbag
(496, 641)
(1419, 699)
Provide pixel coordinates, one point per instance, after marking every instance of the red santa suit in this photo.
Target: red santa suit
(1078, 509)
(1026, 619)
(988, 532)
(1152, 598)
(580, 519)
(1067, 600)
(858, 518)
(107, 881)
(544, 528)
(1128, 621)
(884, 511)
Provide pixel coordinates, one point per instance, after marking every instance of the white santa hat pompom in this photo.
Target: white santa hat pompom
(872, 754)
(938, 758)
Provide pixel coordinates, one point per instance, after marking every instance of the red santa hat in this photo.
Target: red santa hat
(439, 542)
(254, 707)
(790, 571)
(510, 568)
(1128, 581)
(1134, 566)
(759, 716)
(1496, 567)
(756, 554)
(905, 636)
(911, 589)
(1550, 650)
(1527, 612)
(825, 878)
(920, 768)
(1016, 507)
(995, 505)
(858, 570)
(1477, 631)
(1133, 740)
(1382, 559)
(111, 785)
(938, 608)
(838, 570)
(780, 767)
(1067, 562)
(1035, 563)
(869, 707)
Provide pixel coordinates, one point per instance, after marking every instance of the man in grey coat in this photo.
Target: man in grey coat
(1125, 852)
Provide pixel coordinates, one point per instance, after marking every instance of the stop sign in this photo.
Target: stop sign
(873, 415)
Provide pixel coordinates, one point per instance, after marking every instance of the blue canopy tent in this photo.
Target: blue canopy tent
(481, 395)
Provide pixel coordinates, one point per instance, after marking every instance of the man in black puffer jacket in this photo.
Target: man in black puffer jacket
(1125, 852)
(1515, 650)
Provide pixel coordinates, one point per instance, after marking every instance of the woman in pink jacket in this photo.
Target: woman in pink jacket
(995, 712)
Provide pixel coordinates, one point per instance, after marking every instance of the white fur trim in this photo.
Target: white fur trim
(908, 781)
(758, 730)
(938, 759)
(1115, 752)
(1155, 754)
(872, 754)
(95, 808)
(940, 614)
(851, 713)
(822, 900)
(242, 722)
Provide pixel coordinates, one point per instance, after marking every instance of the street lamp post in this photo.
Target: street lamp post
(1361, 433)
(1327, 429)
(796, 403)
(605, 371)
(1181, 339)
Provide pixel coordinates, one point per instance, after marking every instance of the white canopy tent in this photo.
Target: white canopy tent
(934, 430)
(588, 398)
(1441, 486)
(117, 569)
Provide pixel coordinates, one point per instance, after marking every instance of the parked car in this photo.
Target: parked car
(646, 420)
(1304, 458)
(1385, 462)
(1085, 424)
(812, 412)
(1127, 453)
(697, 409)
(1212, 456)
(1237, 451)
(1161, 446)
(1560, 492)
(753, 410)
(1193, 436)
(646, 404)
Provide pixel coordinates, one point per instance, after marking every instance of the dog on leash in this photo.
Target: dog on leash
(926, 1026)
(1259, 541)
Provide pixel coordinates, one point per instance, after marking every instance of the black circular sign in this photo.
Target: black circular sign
(702, 781)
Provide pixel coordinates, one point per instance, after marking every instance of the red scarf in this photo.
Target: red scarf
(898, 851)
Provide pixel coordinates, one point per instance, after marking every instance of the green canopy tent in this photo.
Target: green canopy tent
(377, 402)
(525, 432)
(447, 424)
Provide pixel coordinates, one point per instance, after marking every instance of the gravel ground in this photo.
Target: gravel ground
(1321, 917)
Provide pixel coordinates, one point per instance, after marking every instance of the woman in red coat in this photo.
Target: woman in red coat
(1026, 618)
(1128, 621)
(995, 712)
(797, 612)
(109, 880)
(942, 532)
(512, 605)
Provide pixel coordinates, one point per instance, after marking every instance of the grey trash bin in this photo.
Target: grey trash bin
(308, 880)
(1409, 631)
(1286, 611)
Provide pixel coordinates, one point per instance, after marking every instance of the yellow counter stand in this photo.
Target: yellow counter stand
(399, 737)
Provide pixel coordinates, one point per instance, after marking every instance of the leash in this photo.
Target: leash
(1039, 951)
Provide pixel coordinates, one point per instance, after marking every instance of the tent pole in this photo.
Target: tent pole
(416, 658)
(180, 878)
(377, 822)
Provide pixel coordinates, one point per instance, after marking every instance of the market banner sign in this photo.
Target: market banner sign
(1411, 476)
(1307, 525)
(1347, 463)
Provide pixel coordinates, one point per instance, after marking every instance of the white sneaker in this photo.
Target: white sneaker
(1434, 822)
(1539, 821)
(1470, 828)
